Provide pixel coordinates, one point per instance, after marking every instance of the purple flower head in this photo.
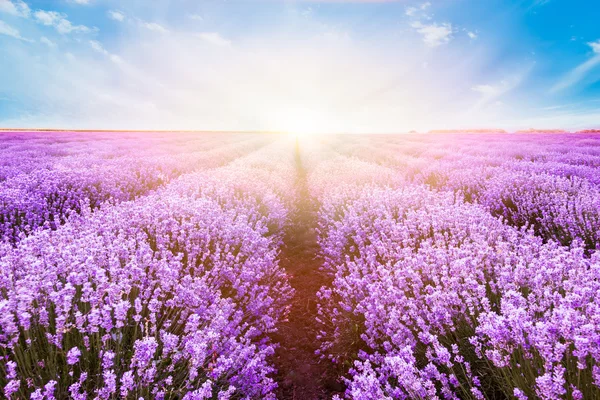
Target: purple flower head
(11, 370)
(49, 390)
(518, 393)
(73, 356)
(11, 387)
(144, 350)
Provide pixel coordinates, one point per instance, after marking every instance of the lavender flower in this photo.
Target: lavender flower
(73, 356)
(11, 387)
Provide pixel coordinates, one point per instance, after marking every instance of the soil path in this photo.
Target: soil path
(302, 375)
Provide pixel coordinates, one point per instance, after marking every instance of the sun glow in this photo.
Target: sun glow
(302, 121)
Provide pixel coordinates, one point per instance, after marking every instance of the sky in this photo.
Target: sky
(318, 66)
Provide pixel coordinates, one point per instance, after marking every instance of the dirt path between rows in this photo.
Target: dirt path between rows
(302, 375)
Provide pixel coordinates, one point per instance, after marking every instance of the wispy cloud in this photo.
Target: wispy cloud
(48, 18)
(116, 15)
(578, 73)
(17, 7)
(153, 26)
(491, 92)
(47, 41)
(488, 90)
(196, 17)
(97, 46)
(214, 38)
(418, 11)
(472, 35)
(537, 3)
(595, 46)
(434, 34)
(60, 22)
(8, 30)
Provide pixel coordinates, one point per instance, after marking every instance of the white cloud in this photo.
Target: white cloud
(47, 41)
(490, 92)
(59, 21)
(48, 17)
(214, 38)
(83, 2)
(472, 35)
(578, 73)
(97, 46)
(116, 59)
(595, 46)
(434, 34)
(116, 15)
(17, 7)
(196, 17)
(153, 26)
(419, 10)
(8, 30)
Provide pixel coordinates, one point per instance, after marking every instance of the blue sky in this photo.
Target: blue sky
(359, 66)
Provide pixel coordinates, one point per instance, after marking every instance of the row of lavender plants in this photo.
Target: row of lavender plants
(173, 295)
(549, 187)
(434, 297)
(47, 197)
(24, 152)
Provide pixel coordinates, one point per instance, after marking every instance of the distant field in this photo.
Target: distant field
(245, 265)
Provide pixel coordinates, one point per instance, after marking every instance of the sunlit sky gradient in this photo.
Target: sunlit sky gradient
(361, 66)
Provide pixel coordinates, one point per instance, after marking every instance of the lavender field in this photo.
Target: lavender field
(260, 266)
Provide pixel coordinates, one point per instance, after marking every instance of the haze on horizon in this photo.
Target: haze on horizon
(318, 66)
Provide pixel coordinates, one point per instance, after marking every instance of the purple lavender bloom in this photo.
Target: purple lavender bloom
(73, 356)
(12, 387)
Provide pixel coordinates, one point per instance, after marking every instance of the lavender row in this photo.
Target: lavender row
(22, 153)
(47, 198)
(435, 298)
(558, 201)
(423, 155)
(564, 209)
(171, 295)
(29, 154)
(578, 149)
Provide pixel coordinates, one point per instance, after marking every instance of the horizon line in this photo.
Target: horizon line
(431, 131)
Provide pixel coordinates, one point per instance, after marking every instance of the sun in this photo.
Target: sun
(301, 121)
